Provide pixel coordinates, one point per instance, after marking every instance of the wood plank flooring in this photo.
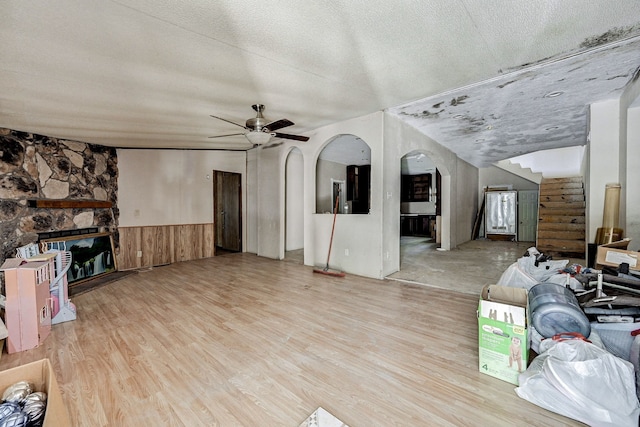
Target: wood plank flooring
(240, 340)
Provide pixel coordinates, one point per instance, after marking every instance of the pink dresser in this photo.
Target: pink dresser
(28, 304)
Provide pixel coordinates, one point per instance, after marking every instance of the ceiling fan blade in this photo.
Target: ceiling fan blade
(264, 147)
(279, 124)
(228, 121)
(229, 134)
(289, 136)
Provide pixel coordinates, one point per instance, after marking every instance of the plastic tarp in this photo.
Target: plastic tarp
(524, 273)
(582, 381)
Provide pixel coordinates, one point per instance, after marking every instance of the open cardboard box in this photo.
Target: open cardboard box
(42, 378)
(615, 253)
(503, 333)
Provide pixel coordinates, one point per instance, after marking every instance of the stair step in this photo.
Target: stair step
(561, 191)
(556, 212)
(562, 205)
(560, 245)
(562, 219)
(560, 198)
(563, 226)
(562, 235)
(568, 180)
(570, 186)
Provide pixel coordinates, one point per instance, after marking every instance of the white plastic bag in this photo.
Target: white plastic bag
(581, 381)
(516, 277)
(544, 344)
(524, 273)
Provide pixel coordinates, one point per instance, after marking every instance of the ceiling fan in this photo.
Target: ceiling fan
(258, 131)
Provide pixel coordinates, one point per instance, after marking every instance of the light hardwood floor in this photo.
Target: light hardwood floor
(239, 340)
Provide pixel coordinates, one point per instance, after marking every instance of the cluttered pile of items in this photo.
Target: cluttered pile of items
(566, 335)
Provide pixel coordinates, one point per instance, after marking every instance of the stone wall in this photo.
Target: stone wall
(38, 167)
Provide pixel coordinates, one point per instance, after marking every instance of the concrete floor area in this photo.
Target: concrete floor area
(465, 269)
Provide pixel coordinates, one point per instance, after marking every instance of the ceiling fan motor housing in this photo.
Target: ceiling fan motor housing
(258, 122)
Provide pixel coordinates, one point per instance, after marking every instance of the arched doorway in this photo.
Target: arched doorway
(294, 206)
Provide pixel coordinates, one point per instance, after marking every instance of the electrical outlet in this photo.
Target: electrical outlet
(139, 254)
(346, 252)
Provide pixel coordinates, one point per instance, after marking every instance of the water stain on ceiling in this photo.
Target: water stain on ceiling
(535, 108)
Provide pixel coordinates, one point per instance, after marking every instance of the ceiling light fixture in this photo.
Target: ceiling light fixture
(259, 137)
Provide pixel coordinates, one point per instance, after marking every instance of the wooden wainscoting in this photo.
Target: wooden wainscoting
(164, 244)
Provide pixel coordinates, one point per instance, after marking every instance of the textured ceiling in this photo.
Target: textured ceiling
(533, 109)
(143, 73)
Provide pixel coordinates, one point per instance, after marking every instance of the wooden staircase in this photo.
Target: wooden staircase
(561, 218)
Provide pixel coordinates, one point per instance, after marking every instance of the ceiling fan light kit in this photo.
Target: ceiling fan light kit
(259, 131)
(259, 137)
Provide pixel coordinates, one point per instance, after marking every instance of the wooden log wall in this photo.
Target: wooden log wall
(561, 220)
(164, 244)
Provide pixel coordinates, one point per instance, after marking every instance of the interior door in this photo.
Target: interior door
(527, 215)
(227, 200)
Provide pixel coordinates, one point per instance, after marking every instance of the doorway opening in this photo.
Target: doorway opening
(227, 211)
(294, 207)
(344, 164)
(339, 197)
(419, 207)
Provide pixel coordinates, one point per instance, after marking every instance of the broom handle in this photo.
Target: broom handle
(333, 227)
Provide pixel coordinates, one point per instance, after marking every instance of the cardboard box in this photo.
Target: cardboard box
(613, 257)
(41, 376)
(503, 333)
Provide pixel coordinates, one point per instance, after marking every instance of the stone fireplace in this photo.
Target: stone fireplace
(49, 184)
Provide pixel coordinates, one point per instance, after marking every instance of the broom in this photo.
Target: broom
(326, 269)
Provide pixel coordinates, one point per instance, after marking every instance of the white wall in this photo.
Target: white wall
(633, 176)
(357, 243)
(327, 170)
(359, 235)
(466, 199)
(612, 156)
(251, 207)
(629, 175)
(604, 158)
(496, 176)
(167, 187)
(556, 163)
(270, 202)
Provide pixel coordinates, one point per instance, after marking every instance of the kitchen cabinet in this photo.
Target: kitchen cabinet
(416, 188)
(358, 188)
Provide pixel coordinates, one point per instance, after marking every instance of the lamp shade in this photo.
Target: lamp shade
(258, 137)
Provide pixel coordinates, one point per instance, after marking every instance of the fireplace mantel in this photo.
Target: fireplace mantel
(68, 203)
